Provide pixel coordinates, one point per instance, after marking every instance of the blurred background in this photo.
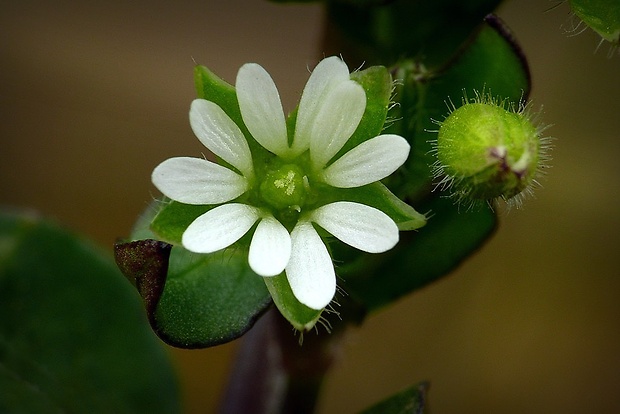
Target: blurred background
(95, 94)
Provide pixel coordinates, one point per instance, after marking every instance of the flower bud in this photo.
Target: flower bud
(486, 150)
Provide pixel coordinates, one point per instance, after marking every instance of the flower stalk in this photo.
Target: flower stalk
(274, 374)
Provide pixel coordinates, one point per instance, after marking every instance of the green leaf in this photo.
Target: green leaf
(409, 401)
(492, 60)
(299, 315)
(195, 300)
(421, 257)
(73, 338)
(209, 299)
(385, 33)
(192, 300)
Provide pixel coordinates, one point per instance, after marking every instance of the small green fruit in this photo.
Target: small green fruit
(486, 150)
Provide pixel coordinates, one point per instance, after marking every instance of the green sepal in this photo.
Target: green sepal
(411, 400)
(602, 16)
(73, 337)
(299, 315)
(173, 218)
(380, 197)
(212, 88)
(377, 83)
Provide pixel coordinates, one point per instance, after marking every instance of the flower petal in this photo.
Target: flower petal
(221, 135)
(219, 228)
(310, 270)
(261, 108)
(370, 161)
(270, 249)
(358, 225)
(338, 117)
(326, 75)
(197, 181)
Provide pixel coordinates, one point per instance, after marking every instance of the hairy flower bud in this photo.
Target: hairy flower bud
(486, 150)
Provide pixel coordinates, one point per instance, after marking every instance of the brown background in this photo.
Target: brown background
(95, 94)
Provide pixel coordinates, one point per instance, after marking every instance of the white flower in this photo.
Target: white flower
(330, 110)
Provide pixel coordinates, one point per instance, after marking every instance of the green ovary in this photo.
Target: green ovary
(284, 188)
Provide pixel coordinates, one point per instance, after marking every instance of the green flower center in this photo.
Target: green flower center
(284, 188)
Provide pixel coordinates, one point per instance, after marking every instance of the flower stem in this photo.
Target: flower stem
(274, 373)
